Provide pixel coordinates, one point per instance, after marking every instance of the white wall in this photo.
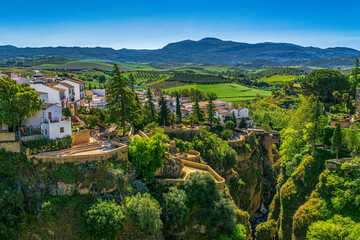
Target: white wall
(76, 89)
(38, 118)
(53, 129)
(53, 95)
(99, 92)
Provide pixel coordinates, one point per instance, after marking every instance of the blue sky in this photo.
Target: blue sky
(152, 24)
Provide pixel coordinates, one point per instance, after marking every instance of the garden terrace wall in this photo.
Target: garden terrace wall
(237, 143)
(344, 123)
(191, 158)
(220, 181)
(32, 137)
(80, 137)
(4, 137)
(121, 152)
(11, 146)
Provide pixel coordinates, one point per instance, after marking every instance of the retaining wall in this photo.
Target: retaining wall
(220, 181)
(80, 137)
(11, 146)
(237, 143)
(32, 137)
(7, 137)
(121, 152)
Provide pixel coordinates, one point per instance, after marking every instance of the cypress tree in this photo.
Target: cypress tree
(132, 82)
(197, 111)
(164, 112)
(150, 105)
(210, 111)
(178, 109)
(336, 141)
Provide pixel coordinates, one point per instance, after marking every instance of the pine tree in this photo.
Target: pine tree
(178, 109)
(150, 106)
(242, 123)
(164, 112)
(336, 141)
(122, 106)
(132, 82)
(210, 111)
(197, 111)
(356, 70)
(233, 118)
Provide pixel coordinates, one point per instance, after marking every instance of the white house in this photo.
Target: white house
(50, 121)
(226, 110)
(79, 87)
(97, 102)
(55, 95)
(70, 91)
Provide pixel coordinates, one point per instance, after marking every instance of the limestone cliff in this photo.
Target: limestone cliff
(253, 179)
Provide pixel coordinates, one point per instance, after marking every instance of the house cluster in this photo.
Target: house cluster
(55, 93)
(222, 109)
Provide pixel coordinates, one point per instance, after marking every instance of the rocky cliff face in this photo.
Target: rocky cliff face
(253, 179)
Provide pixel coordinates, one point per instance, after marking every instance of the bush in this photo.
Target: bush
(91, 121)
(227, 134)
(145, 213)
(11, 212)
(105, 219)
(238, 232)
(66, 112)
(229, 125)
(174, 208)
(47, 144)
(217, 128)
(200, 187)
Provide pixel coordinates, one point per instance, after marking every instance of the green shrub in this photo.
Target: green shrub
(229, 125)
(11, 212)
(145, 213)
(47, 144)
(239, 232)
(105, 219)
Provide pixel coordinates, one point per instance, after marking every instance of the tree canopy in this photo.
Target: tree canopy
(17, 102)
(121, 101)
(146, 154)
(105, 219)
(322, 83)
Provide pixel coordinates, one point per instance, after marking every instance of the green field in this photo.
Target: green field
(279, 78)
(227, 91)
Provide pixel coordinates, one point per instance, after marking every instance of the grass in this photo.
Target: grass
(279, 78)
(226, 91)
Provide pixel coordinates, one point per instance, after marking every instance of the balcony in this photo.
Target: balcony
(58, 120)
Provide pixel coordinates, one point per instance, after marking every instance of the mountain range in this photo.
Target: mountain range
(207, 50)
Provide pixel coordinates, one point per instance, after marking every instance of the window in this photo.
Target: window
(45, 132)
(61, 130)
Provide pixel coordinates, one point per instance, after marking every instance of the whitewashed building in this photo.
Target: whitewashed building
(50, 121)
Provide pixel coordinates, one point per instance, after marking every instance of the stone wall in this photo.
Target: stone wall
(4, 137)
(80, 137)
(32, 137)
(121, 152)
(269, 139)
(11, 146)
(237, 143)
(344, 123)
(220, 181)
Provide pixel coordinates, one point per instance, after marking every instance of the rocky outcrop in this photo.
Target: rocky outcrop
(172, 168)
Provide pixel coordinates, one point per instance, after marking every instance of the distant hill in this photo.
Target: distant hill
(207, 50)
